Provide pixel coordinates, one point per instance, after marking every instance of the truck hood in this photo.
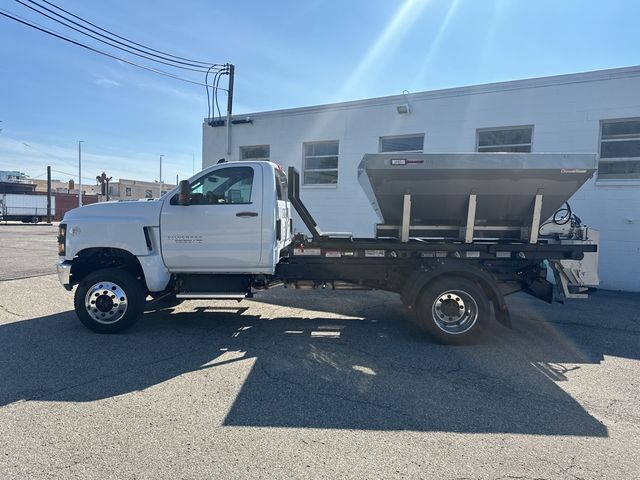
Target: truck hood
(145, 213)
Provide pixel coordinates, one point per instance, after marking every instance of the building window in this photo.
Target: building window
(510, 139)
(148, 194)
(619, 149)
(255, 152)
(402, 143)
(127, 191)
(320, 164)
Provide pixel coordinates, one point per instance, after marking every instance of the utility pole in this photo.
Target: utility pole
(80, 142)
(232, 70)
(49, 194)
(160, 176)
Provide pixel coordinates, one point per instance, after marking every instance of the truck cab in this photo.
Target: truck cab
(236, 220)
(209, 238)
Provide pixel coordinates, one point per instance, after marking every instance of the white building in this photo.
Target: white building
(587, 112)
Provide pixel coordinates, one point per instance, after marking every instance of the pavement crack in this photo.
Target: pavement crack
(2, 307)
(49, 394)
(388, 408)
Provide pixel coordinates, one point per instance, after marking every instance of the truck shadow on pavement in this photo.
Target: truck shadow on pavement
(372, 371)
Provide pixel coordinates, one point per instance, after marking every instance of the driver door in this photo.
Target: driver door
(221, 229)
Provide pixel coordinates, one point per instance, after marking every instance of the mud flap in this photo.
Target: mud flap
(540, 288)
(502, 315)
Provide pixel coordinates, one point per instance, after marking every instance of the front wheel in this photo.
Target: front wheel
(454, 310)
(109, 300)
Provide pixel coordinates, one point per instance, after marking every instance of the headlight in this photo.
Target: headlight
(62, 239)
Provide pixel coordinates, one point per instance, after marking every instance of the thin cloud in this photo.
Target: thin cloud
(106, 82)
(33, 158)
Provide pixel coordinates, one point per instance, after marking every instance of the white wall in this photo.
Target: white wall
(565, 111)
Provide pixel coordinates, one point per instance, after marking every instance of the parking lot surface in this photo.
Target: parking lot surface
(316, 384)
(27, 250)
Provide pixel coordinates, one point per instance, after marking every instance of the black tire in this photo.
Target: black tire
(453, 310)
(109, 300)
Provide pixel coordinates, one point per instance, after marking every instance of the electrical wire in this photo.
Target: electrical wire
(23, 21)
(204, 64)
(212, 104)
(215, 94)
(564, 218)
(206, 81)
(73, 175)
(107, 42)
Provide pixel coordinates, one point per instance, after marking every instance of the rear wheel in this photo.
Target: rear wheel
(109, 300)
(454, 310)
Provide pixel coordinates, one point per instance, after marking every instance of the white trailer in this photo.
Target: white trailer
(24, 207)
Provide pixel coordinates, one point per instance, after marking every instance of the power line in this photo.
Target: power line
(108, 42)
(46, 153)
(73, 175)
(59, 159)
(204, 64)
(23, 21)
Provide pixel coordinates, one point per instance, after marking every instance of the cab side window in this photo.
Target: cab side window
(226, 186)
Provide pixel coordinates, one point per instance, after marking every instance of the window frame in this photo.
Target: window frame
(409, 135)
(498, 129)
(174, 198)
(610, 180)
(305, 157)
(263, 159)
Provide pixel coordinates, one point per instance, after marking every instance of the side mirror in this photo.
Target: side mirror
(185, 190)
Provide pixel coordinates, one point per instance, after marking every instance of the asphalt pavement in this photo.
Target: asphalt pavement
(27, 250)
(315, 384)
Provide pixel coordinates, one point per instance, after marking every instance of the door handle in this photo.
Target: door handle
(246, 214)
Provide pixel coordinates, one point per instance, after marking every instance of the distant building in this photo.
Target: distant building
(125, 189)
(58, 186)
(15, 182)
(122, 189)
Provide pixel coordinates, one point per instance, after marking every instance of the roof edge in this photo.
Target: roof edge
(536, 82)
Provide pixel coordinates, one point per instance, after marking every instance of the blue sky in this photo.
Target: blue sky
(287, 54)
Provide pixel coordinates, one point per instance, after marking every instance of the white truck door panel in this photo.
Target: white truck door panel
(221, 230)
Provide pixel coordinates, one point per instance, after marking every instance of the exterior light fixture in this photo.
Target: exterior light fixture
(403, 108)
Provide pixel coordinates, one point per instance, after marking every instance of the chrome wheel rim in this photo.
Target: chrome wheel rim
(106, 302)
(454, 312)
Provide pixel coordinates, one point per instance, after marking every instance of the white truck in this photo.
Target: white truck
(459, 233)
(24, 207)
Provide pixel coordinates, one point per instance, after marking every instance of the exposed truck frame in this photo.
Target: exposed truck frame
(409, 265)
(452, 286)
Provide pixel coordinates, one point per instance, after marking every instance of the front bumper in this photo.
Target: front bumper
(63, 268)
